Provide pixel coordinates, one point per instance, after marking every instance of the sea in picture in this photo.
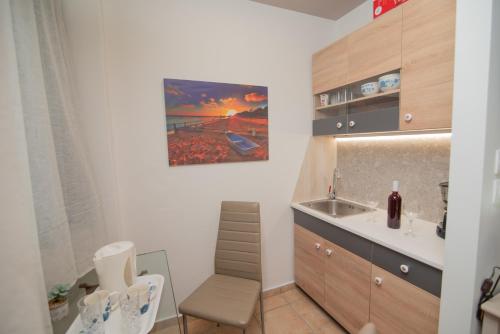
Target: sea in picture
(185, 121)
(209, 122)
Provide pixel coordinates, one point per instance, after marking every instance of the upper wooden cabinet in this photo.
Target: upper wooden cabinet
(416, 39)
(400, 307)
(309, 263)
(330, 67)
(376, 48)
(428, 46)
(347, 287)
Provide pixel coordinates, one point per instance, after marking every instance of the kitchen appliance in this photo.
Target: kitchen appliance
(441, 228)
(115, 266)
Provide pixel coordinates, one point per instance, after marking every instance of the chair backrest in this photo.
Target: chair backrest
(238, 242)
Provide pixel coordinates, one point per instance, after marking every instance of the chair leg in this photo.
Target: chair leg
(185, 324)
(262, 313)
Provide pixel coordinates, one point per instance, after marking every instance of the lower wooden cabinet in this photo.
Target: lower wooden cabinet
(354, 290)
(347, 290)
(397, 306)
(310, 263)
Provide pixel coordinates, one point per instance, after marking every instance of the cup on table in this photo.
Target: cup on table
(134, 302)
(130, 312)
(91, 316)
(108, 301)
(145, 292)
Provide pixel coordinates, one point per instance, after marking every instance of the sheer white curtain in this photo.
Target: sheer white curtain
(67, 206)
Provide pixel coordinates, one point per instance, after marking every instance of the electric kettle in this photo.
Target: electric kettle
(115, 266)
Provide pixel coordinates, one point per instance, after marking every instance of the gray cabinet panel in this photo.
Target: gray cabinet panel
(425, 277)
(328, 126)
(381, 120)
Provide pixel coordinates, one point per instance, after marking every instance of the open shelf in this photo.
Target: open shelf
(360, 100)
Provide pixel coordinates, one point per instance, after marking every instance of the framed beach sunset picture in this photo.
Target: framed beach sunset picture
(211, 122)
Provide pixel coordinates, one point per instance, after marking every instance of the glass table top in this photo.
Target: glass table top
(148, 263)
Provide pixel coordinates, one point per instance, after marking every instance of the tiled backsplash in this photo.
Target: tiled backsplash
(369, 165)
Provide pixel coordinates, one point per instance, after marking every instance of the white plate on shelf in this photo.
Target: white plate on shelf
(113, 324)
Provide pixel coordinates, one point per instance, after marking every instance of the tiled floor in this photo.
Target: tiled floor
(290, 312)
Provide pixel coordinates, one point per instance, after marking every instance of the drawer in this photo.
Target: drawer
(353, 243)
(419, 274)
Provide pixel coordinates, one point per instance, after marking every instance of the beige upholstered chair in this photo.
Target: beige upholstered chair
(369, 328)
(230, 295)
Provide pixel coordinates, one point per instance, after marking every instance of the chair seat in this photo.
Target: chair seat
(369, 328)
(223, 299)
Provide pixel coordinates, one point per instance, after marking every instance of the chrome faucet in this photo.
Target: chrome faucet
(333, 194)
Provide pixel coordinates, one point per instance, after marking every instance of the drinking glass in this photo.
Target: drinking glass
(130, 312)
(91, 317)
(410, 217)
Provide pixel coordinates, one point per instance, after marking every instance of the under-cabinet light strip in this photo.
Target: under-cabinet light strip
(396, 137)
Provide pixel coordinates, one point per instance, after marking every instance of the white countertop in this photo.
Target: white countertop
(424, 246)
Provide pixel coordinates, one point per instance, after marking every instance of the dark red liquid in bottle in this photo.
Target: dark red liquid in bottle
(394, 210)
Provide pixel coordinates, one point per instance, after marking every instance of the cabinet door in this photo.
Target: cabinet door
(330, 126)
(309, 263)
(329, 67)
(376, 48)
(427, 64)
(347, 290)
(397, 306)
(381, 120)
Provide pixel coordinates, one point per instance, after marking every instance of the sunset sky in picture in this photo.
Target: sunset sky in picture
(200, 98)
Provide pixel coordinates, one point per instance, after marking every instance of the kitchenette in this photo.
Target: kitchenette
(369, 208)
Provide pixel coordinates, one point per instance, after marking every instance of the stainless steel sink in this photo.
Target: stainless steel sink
(337, 208)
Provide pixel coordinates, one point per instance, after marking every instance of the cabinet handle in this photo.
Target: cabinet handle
(339, 125)
(408, 118)
(405, 269)
(329, 252)
(378, 281)
(317, 245)
(352, 124)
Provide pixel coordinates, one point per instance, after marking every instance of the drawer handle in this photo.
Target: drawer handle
(339, 125)
(408, 118)
(352, 124)
(405, 269)
(378, 281)
(317, 245)
(329, 252)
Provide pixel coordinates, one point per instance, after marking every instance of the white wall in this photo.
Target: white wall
(355, 19)
(473, 231)
(224, 40)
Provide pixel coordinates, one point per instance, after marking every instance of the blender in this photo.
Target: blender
(441, 228)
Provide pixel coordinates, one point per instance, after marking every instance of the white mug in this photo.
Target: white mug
(323, 100)
(144, 292)
(108, 301)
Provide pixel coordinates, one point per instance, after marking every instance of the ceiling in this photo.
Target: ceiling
(328, 9)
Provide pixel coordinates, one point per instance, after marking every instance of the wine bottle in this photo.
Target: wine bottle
(394, 207)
